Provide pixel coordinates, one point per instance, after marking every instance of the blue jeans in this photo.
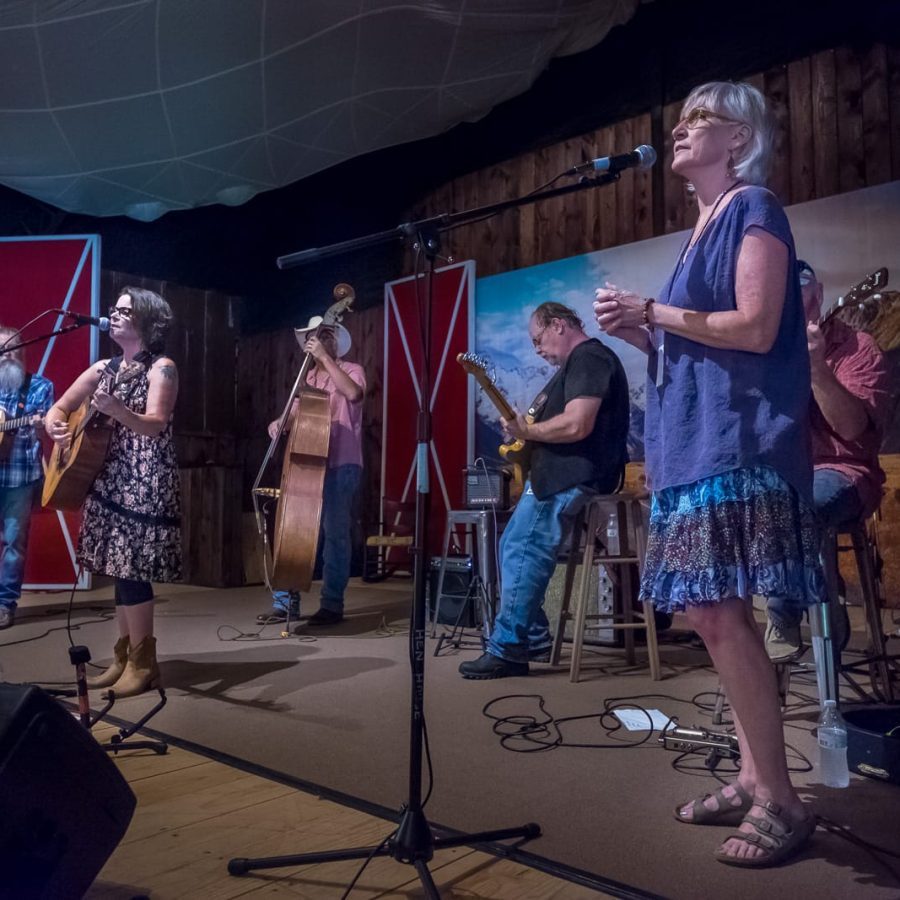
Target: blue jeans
(528, 551)
(15, 516)
(836, 500)
(335, 540)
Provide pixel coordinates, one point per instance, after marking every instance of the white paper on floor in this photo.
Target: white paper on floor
(636, 719)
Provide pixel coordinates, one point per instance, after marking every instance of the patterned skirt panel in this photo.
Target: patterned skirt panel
(736, 534)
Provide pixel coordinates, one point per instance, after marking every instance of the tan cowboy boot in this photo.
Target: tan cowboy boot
(141, 671)
(115, 669)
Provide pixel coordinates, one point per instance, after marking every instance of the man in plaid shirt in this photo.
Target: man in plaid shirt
(20, 468)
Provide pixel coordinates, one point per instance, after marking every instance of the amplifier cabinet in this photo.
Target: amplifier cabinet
(485, 487)
(458, 573)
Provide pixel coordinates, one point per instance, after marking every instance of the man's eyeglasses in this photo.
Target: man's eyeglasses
(700, 114)
(805, 272)
(126, 312)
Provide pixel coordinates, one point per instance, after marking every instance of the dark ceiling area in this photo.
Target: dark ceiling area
(666, 49)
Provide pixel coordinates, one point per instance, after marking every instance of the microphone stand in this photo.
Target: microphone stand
(414, 843)
(42, 337)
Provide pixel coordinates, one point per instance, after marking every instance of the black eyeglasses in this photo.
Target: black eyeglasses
(126, 312)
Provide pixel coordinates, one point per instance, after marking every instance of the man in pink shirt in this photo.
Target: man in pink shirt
(850, 390)
(345, 383)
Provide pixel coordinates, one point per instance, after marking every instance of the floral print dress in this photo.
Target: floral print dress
(131, 525)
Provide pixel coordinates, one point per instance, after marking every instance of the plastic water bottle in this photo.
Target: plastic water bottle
(832, 737)
(612, 534)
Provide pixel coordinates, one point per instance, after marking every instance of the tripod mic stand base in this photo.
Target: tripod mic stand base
(414, 844)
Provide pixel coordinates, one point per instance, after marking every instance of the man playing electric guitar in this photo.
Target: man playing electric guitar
(578, 439)
(21, 396)
(850, 389)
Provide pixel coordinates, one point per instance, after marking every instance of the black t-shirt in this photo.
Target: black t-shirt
(597, 461)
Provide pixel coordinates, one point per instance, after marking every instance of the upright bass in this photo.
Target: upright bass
(290, 532)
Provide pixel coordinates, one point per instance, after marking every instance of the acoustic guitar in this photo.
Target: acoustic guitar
(291, 536)
(8, 425)
(517, 453)
(72, 470)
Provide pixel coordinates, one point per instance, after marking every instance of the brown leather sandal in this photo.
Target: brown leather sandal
(771, 833)
(725, 813)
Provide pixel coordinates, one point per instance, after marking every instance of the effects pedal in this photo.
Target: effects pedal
(699, 740)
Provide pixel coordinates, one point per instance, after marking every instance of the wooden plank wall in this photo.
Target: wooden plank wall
(838, 115)
(839, 118)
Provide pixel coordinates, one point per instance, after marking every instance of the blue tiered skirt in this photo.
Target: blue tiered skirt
(740, 533)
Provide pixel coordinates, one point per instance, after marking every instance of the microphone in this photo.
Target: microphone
(640, 158)
(100, 322)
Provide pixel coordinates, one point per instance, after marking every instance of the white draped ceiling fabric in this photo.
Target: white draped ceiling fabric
(138, 107)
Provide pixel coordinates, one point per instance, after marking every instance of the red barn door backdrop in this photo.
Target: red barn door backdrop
(41, 274)
(451, 401)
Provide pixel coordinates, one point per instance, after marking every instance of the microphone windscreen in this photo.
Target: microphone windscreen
(647, 155)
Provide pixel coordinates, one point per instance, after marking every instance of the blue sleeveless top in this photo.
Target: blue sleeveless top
(716, 410)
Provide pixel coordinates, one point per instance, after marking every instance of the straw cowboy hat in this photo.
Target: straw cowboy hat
(341, 335)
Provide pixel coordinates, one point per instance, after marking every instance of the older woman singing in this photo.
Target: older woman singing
(728, 448)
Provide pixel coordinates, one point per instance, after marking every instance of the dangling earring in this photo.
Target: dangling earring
(729, 168)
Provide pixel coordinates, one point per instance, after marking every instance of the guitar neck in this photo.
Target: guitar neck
(13, 424)
(495, 396)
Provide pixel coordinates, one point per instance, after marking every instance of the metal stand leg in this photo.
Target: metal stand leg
(79, 656)
(820, 624)
(456, 637)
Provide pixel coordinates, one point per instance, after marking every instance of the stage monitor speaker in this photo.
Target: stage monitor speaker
(457, 580)
(64, 806)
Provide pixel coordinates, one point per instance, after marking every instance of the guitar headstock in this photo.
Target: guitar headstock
(124, 373)
(344, 296)
(859, 293)
(129, 371)
(475, 365)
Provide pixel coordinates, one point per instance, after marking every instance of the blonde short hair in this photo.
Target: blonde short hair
(743, 103)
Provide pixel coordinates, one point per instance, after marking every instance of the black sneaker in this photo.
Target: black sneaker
(325, 617)
(490, 666)
(542, 656)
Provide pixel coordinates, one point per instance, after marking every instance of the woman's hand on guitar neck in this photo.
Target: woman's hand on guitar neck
(108, 404)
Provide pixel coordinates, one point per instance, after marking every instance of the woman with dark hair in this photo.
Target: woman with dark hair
(728, 448)
(131, 523)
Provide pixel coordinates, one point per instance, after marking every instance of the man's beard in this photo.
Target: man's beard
(12, 375)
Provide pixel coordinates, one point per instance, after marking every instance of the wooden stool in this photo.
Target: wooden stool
(622, 568)
(395, 533)
(865, 553)
(822, 617)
